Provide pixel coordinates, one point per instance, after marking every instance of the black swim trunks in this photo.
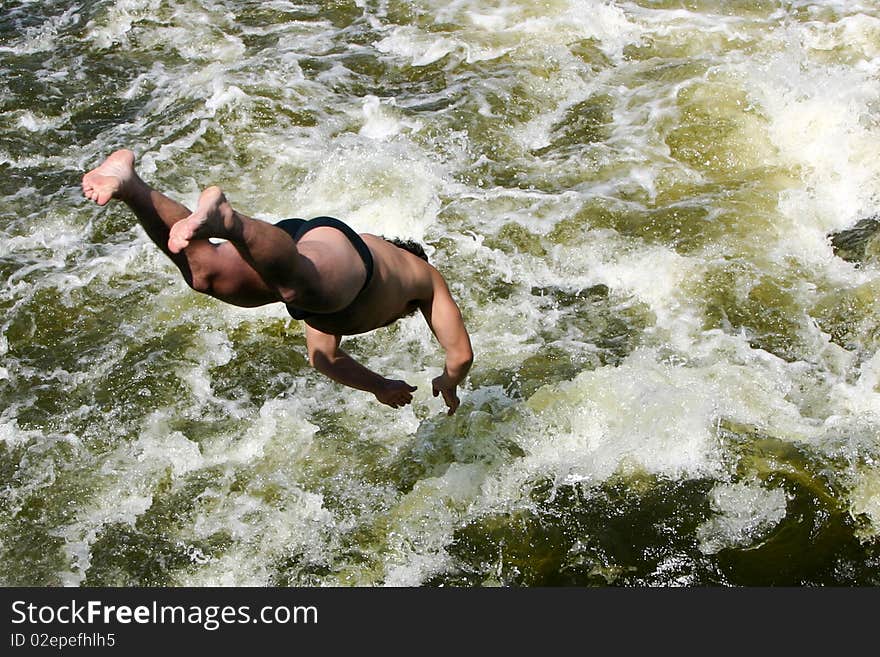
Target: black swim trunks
(296, 228)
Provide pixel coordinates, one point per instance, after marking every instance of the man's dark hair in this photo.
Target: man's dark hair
(408, 245)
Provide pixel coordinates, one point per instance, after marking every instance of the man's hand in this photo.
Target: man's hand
(444, 385)
(395, 393)
(444, 319)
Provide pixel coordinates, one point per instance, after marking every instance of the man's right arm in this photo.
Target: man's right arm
(326, 357)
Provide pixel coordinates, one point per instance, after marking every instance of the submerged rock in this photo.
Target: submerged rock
(858, 243)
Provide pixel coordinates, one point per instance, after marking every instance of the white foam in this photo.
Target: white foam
(858, 33)
(12, 435)
(34, 123)
(377, 187)
(744, 512)
(262, 534)
(211, 349)
(819, 119)
(861, 399)
(656, 417)
(159, 445)
(118, 21)
(278, 419)
(586, 19)
(417, 548)
(43, 37)
(526, 24)
(380, 123)
(865, 500)
(424, 49)
(117, 504)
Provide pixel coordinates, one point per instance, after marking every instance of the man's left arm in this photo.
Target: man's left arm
(444, 318)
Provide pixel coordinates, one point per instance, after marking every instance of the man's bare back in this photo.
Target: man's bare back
(342, 283)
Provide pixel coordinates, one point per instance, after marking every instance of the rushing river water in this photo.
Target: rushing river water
(677, 375)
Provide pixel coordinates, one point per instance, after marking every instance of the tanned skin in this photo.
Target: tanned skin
(321, 272)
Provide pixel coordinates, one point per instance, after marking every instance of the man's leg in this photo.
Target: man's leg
(269, 250)
(215, 269)
(321, 272)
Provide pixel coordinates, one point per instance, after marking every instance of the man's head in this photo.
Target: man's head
(408, 245)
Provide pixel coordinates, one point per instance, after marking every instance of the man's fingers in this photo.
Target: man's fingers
(451, 400)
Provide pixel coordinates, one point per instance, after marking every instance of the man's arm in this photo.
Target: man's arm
(444, 319)
(326, 357)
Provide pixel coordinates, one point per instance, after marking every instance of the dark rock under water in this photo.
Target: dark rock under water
(854, 244)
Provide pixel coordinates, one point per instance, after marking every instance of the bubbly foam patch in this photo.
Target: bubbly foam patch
(381, 187)
(820, 120)
(743, 513)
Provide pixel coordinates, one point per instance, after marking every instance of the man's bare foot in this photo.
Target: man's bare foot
(110, 179)
(214, 217)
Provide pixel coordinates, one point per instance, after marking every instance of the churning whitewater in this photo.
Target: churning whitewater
(638, 205)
